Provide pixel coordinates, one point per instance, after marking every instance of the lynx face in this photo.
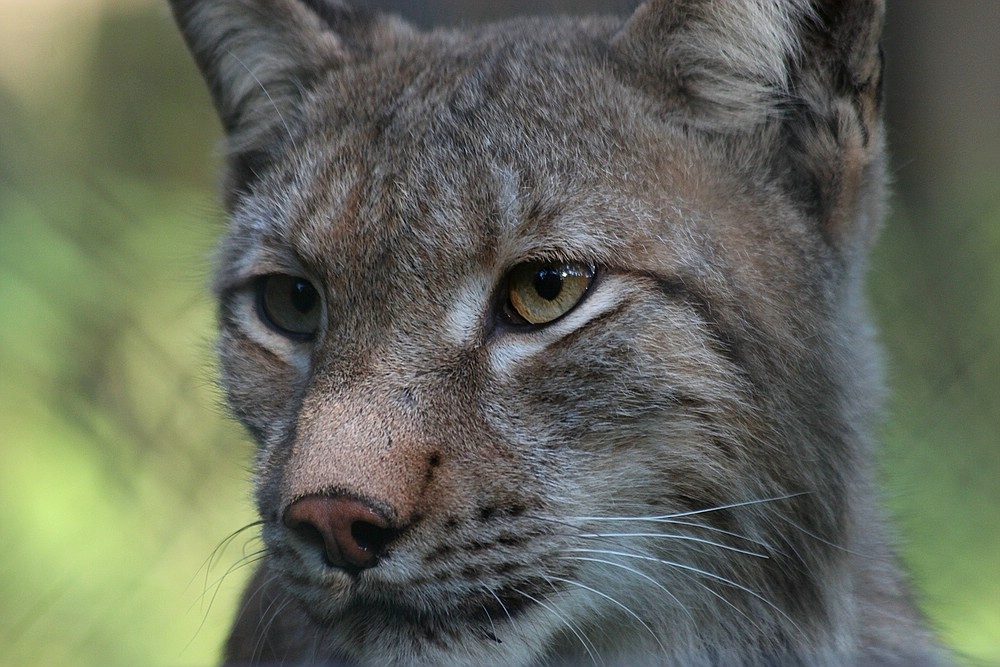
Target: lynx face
(549, 334)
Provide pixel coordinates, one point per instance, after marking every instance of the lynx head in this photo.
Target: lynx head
(548, 332)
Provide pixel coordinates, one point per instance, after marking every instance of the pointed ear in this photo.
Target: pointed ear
(834, 141)
(717, 63)
(258, 55)
(260, 59)
(801, 76)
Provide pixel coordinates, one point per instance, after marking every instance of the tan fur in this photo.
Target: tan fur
(677, 471)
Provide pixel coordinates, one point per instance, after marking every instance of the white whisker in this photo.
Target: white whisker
(667, 517)
(708, 590)
(713, 529)
(674, 536)
(616, 602)
(659, 520)
(502, 606)
(272, 613)
(827, 542)
(635, 572)
(695, 570)
(493, 627)
(587, 646)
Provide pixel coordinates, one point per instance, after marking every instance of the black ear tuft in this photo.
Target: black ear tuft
(834, 154)
(841, 48)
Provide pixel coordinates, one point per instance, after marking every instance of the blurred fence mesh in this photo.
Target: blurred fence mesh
(120, 474)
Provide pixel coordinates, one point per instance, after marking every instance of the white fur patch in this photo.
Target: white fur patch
(293, 353)
(464, 319)
(515, 347)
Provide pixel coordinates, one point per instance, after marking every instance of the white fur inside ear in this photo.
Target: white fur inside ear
(756, 38)
(735, 55)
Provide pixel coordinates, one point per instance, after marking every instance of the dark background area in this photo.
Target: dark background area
(119, 474)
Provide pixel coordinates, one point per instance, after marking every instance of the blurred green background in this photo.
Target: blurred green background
(119, 474)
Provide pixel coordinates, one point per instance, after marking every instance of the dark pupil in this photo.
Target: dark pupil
(548, 283)
(303, 296)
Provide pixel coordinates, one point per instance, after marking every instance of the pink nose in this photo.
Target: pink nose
(350, 533)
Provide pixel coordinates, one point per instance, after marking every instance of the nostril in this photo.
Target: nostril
(371, 537)
(350, 534)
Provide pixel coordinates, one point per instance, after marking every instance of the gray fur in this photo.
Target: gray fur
(678, 470)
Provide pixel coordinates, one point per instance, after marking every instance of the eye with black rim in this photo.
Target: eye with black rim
(290, 305)
(538, 293)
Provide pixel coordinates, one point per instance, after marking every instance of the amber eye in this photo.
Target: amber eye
(290, 305)
(541, 292)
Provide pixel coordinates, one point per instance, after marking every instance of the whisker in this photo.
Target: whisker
(695, 570)
(274, 609)
(245, 561)
(825, 541)
(714, 529)
(217, 552)
(248, 593)
(692, 524)
(215, 587)
(636, 572)
(587, 646)
(502, 605)
(493, 627)
(616, 602)
(666, 517)
(703, 586)
(674, 536)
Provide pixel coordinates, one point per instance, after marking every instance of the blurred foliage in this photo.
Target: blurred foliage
(120, 475)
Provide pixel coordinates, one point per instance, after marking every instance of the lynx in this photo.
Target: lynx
(551, 337)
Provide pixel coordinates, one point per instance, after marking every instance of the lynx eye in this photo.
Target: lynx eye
(541, 292)
(290, 305)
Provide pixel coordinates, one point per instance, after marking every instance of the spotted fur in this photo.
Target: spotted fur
(677, 471)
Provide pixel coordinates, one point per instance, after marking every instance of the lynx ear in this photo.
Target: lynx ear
(260, 57)
(720, 63)
(834, 144)
(803, 76)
